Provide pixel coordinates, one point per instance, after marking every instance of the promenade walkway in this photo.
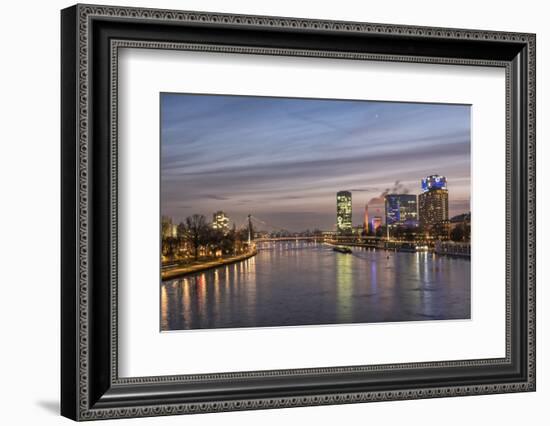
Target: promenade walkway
(179, 271)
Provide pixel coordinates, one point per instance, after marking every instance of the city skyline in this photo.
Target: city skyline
(283, 159)
(406, 210)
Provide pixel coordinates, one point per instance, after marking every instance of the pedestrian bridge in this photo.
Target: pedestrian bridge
(290, 238)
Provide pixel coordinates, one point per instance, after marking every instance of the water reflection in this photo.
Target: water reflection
(344, 287)
(300, 283)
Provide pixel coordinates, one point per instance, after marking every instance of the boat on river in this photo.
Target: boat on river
(342, 249)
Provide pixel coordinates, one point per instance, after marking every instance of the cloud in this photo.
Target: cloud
(252, 154)
(397, 188)
(216, 197)
(364, 189)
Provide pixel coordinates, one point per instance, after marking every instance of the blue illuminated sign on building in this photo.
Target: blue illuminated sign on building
(434, 182)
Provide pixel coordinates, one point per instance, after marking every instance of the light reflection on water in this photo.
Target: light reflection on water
(301, 283)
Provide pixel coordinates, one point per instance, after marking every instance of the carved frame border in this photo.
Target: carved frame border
(87, 12)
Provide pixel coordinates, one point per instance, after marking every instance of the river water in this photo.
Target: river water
(304, 283)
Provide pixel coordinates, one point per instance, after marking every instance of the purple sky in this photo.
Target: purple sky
(284, 159)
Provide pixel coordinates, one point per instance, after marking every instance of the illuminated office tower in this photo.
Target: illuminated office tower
(433, 206)
(343, 213)
(220, 221)
(401, 209)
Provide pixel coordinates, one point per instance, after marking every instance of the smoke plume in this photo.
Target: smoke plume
(397, 188)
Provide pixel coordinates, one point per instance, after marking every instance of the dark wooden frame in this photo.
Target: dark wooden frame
(90, 386)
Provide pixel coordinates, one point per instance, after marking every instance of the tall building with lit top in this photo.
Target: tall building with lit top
(343, 213)
(401, 209)
(220, 221)
(434, 182)
(433, 206)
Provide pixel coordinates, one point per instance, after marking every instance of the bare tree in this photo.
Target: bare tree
(196, 232)
(181, 231)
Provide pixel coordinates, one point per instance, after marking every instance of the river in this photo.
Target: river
(305, 283)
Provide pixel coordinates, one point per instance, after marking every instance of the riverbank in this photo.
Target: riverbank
(442, 248)
(180, 271)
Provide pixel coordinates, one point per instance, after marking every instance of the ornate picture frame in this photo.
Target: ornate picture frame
(91, 37)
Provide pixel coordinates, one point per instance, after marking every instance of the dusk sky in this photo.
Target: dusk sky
(284, 159)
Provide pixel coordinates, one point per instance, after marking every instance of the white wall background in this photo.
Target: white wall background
(29, 213)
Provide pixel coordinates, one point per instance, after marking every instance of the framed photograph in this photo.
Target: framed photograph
(263, 212)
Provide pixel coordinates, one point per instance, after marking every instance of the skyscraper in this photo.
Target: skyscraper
(343, 213)
(433, 206)
(401, 209)
(220, 221)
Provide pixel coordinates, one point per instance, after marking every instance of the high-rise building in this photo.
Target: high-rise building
(401, 209)
(220, 221)
(166, 227)
(343, 212)
(433, 206)
(366, 219)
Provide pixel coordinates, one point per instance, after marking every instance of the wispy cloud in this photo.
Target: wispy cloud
(216, 197)
(267, 155)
